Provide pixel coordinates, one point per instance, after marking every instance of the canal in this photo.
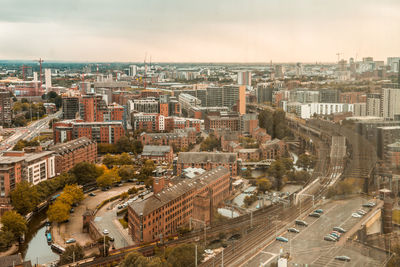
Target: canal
(35, 247)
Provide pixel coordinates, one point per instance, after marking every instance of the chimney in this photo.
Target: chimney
(158, 184)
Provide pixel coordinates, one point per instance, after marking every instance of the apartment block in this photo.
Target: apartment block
(68, 154)
(70, 107)
(5, 108)
(158, 153)
(170, 208)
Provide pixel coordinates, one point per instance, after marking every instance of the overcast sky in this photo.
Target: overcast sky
(199, 31)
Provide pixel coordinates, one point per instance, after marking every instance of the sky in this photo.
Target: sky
(199, 31)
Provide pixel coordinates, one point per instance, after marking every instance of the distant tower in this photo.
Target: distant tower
(132, 70)
(47, 77)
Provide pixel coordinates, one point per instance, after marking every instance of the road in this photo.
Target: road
(29, 132)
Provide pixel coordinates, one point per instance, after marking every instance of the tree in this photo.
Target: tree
(86, 172)
(73, 252)
(148, 167)
(130, 259)
(277, 170)
(126, 172)
(124, 145)
(248, 200)
(65, 198)
(6, 239)
(263, 184)
(306, 161)
(183, 255)
(14, 222)
(210, 143)
(109, 160)
(124, 159)
(75, 192)
(108, 178)
(24, 198)
(58, 211)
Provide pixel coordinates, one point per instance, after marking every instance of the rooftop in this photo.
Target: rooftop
(149, 150)
(198, 157)
(71, 145)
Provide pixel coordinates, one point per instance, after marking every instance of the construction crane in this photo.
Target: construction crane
(338, 56)
(40, 71)
(145, 73)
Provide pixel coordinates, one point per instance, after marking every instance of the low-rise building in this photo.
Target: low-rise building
(180, 139)
(158, 153)
(69, 154)
(170, 208)
(273, 149)
(205, 160)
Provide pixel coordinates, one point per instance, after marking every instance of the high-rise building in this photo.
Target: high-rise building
(374, 105)
(264, 92)
(227, 96)
(244, 78)
(390, 103)
(70, 107)
(47, 77)
(5, 108)
(132, 70)
(328, 96)
(279, 73)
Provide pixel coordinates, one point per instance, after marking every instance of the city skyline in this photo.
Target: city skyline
(177, 31)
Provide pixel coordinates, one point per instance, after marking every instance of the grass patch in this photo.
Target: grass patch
(123, 223)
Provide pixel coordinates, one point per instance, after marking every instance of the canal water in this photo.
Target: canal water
(35, 247)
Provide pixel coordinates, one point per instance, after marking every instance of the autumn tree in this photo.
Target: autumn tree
(108, 178)
(126, 172)
(183, 255)
(58, 212)
(263, 184)
(75, 192)
(13, 222)
(86, 172)
(130, 259)
(24, 197)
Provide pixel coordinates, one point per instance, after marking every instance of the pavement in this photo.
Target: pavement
(309, 247)
(73, 229)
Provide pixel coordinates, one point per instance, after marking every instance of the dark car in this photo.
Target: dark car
(92, 194)
(314, 214)
(339, 229)
(300, 222)
(293, 230)
(71, 210)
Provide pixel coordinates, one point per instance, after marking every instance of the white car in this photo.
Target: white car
(361, 212)
(356, 215)
(106, 232)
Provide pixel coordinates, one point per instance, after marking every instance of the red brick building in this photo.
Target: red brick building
(162, 214)
(273, 149)
(158, 153)
(100, 132)
(231, 122)
(179, 139)
(69, 154)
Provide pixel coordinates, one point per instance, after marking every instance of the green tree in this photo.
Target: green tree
(24, 198)
(58, 211)
(148, 167)
(183, 255)
(263, 184)
(130, 259)
(124, 145)
(210, 143)
(304, 161)
(109, 160)
(6, 239)
(73, 252)
(14, 222)
(86, 172)
(124, 159)
(277, 170)
(126, 172)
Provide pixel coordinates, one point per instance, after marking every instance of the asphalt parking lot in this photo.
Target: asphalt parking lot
(309, 246)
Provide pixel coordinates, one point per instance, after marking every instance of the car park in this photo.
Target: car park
(282, 239)
(339, 229)
(293, 230)
(314, 214)
(342, 258)
(300, 222)
(70, 241)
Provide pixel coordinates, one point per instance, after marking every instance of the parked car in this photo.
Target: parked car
(339, 229)
(335, 235)
(119, 206)
(282, 239)
(342, 258)
(71, 210)
(106, 232)
(361, 212)
(319, 211)
(369, 204)
(70, 241)
(92, 194)
(356, 215)
(293, 230)
(300, 222)
(314, 214)
(329, 238)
